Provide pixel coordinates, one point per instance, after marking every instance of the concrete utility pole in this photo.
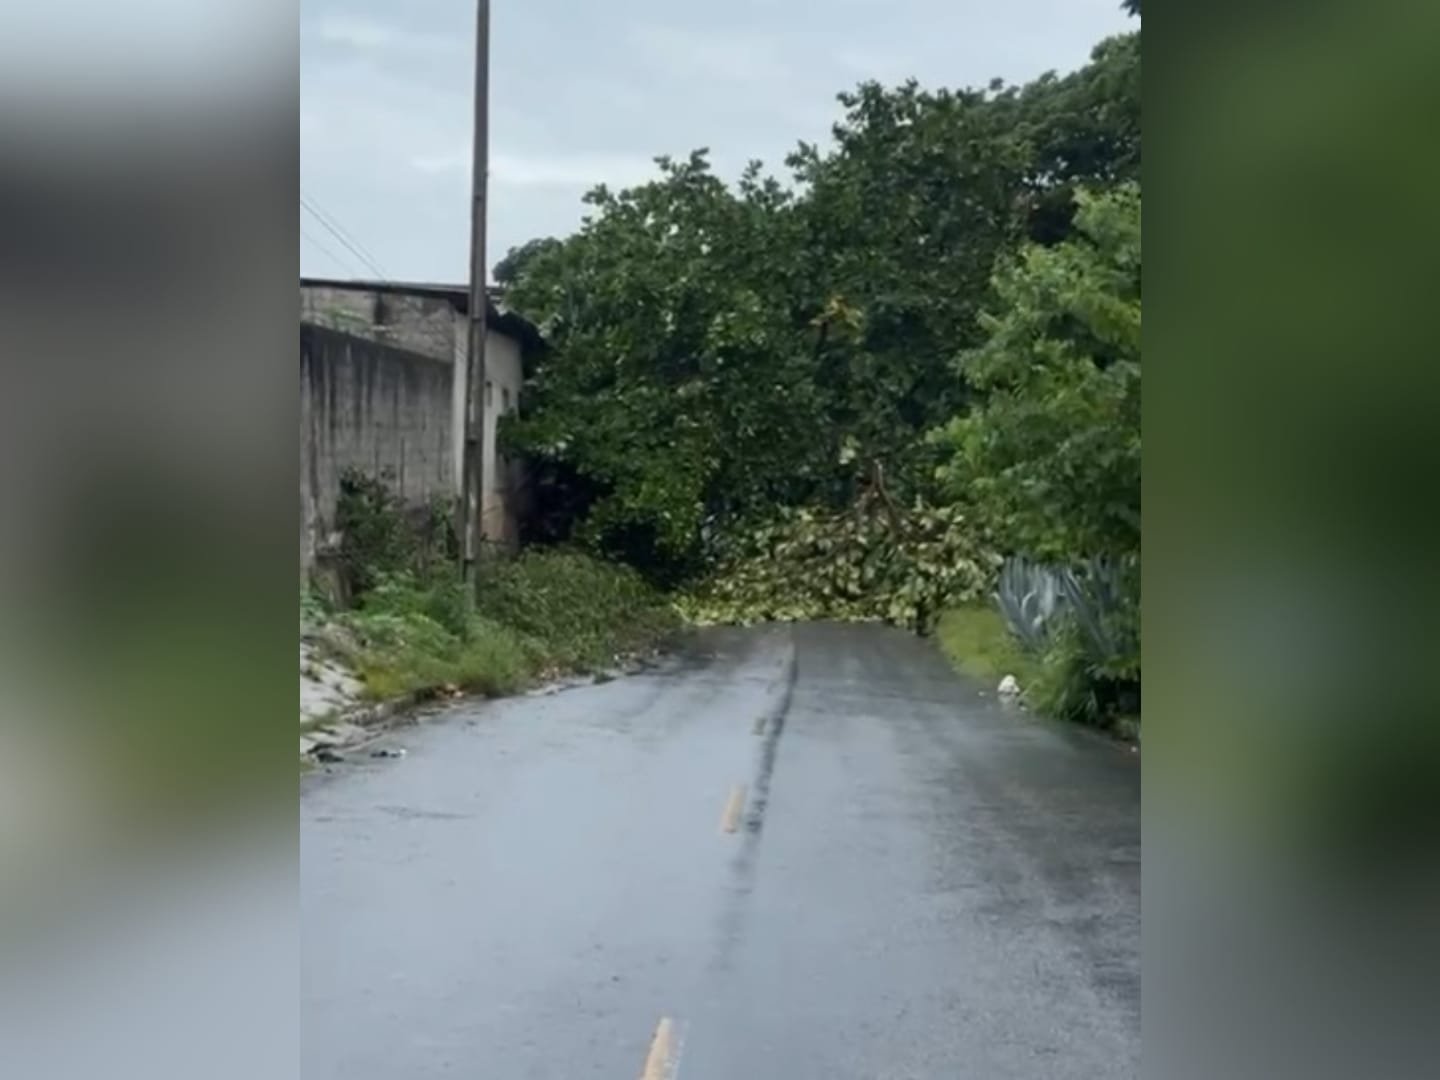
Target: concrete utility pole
(472, 501)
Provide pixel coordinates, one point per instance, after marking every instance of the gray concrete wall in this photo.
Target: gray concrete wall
(372, 407)
(422, 324)
(434, 327)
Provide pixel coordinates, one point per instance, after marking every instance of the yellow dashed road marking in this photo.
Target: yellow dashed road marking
(730, 820)
(662, 1052)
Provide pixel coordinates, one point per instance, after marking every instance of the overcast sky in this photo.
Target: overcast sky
(585, 92)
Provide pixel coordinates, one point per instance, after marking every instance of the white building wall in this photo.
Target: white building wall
(504, 376)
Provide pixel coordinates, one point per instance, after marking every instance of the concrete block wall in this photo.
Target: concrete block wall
(420, 325)
(373, 407)
(423, 324)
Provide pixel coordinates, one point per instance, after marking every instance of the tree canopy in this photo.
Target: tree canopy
(1049, 455)
(508, 270)
(719, 353)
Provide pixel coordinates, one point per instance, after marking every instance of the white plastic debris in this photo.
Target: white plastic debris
(1008, 686)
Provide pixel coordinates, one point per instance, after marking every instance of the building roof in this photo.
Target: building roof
(497, 315)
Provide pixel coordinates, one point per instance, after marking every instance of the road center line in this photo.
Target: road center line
(730, 819)
(661, 1055)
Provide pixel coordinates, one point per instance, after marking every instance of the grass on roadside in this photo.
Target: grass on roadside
(978, 642)
(541, 614)
(412, 653)
(578, 612)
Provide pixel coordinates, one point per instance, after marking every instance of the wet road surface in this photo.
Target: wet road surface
(803, 852)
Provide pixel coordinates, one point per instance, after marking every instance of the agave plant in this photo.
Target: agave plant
(1031, 597)
(1101, 596)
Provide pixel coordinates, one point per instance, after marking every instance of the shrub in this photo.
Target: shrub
(373, 537)
(414, 628)
(1071, 685)
(1030, 596)
(1103, 598)
(541, 614)
(1063, 686)
(442, 599)
(579, 611)
(380, 536)
(1090, 662)
(405, 653)
(1082, 625)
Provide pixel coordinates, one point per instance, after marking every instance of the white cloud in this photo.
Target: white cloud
(740, 58)
(370, 35)
(386, 97)
(545, 170)
(440, 163)
(571, 170)
(869, 64)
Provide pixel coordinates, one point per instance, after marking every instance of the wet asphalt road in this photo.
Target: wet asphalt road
(919, 884)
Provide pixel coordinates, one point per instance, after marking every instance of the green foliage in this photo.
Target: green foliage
(408, 652)
(541, 614)
(1083, 130)
(1080, 626)
(380, 536)
(1030, 595)
(1063, 685)
(875, 561)
(581, 612)
(510, 268)
(314, 607)
(670, 385)
(1049, 457)
(725, 355)
(414, 627)
(443, 600)
(720, 352)
(374, 539)
(1102, 598)
(1072, 683)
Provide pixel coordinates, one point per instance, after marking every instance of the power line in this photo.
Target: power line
(440, 338)
(337, 230)
(322, 248)
(331, 221)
